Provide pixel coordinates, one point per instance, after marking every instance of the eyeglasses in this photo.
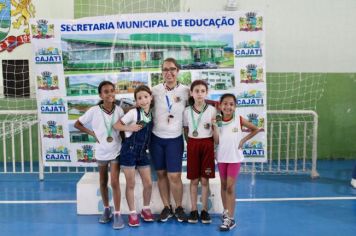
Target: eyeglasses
(171, 69)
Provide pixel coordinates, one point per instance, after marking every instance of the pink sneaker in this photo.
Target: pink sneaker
(134, 220)
(147, 215)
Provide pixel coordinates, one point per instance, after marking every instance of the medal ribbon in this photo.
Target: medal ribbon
(108, 126)
(145, 118)
(196, 123)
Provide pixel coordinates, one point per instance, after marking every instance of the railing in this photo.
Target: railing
(292, 146)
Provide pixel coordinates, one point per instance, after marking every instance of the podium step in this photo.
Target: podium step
(89, 199)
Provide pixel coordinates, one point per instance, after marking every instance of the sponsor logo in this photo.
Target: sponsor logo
(47, 81)
(42, 30)
(252, 74)
(256, 121)
(250, 48)
(253, 149)
(251, 22)
(48, 56)
(59, 154)
(52, 106)
(252, 98)
(52, 130)
(86, 154)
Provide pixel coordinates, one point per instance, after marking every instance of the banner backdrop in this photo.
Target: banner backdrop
(72, 57)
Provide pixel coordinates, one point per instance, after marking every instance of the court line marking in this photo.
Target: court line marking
(237, 200)
(40, 202)
(293, 199)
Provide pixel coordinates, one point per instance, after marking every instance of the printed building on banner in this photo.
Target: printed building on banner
(141, 51)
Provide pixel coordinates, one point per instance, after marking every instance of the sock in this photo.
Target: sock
(133, 212)
(146, 207)
(117, 212)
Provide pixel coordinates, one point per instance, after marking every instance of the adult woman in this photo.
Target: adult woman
(167, 139)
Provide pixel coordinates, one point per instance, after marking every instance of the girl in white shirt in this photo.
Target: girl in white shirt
(107, 147)
(229, 154)
(199, 130)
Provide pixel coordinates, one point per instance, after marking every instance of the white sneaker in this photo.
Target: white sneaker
(353, 183)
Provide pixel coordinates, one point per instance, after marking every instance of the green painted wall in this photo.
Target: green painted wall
(337, 117)
(336, 107)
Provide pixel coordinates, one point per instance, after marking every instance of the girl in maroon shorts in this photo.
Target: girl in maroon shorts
(200, 133)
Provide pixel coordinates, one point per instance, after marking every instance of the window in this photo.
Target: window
(16, 78)
(119, 57)
(156, 55)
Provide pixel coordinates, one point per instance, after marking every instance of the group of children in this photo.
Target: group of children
(204, 128)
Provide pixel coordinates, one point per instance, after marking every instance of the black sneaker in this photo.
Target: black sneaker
(193, 217)
(106, 216)
(205, 217)
(180, 215)
(165, 214)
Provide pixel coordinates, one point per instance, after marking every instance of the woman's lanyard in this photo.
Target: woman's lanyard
(169, 103)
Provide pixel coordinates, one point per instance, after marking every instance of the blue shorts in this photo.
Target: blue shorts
(131, 158)
(106, 163)
(167, 153)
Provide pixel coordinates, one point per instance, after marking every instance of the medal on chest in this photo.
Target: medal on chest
(196, 122)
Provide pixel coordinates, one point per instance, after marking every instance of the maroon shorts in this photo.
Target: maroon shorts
(200, 160)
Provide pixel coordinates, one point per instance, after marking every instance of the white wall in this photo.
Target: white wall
(301, 35)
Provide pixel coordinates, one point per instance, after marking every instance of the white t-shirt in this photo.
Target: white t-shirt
(230, 135)
(130, 118)
(178, 98)
(104, 151)
(204, 126)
